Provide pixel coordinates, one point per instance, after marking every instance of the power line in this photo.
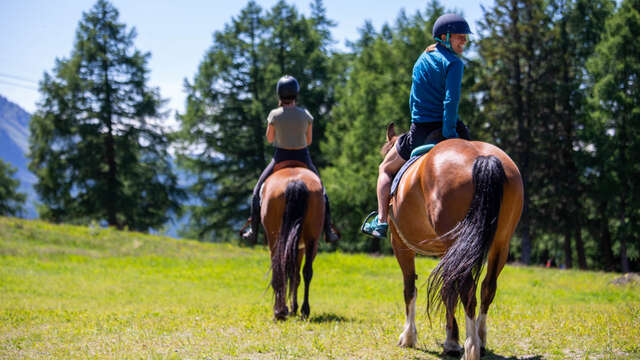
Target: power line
(19, 78)
(5, 82)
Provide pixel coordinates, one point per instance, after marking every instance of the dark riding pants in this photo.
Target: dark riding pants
(425, 133)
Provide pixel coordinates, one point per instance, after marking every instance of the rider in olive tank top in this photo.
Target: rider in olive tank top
(289, 129)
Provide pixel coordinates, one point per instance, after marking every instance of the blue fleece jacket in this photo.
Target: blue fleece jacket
(435, 89)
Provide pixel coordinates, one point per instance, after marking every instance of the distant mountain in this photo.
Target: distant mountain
(14, 145)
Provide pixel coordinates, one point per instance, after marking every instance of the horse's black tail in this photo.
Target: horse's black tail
(284, 262)
(473, 236)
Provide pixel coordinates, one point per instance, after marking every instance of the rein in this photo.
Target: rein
(404, 240)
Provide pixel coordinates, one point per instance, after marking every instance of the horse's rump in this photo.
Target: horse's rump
(439, 188)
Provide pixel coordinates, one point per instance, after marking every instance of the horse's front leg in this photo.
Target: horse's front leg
(406, 260)
(495, 263)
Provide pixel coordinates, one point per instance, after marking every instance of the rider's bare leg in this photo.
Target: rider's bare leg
(386, 171)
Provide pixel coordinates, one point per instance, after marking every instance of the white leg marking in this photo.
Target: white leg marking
(482, 329)
(472, 344)
(409, 336)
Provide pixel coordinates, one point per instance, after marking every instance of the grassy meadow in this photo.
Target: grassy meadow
(78, 292)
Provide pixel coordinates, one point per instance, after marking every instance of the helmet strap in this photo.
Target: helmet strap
(446, 43)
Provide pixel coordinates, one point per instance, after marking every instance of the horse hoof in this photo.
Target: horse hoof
(405, 341)
(406, 344)
(452, 349)
(305, 311)
(281, 315)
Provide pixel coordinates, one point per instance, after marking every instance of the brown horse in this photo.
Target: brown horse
(292, 214)
(461, 202)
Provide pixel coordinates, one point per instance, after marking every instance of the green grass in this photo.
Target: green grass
(76, 292)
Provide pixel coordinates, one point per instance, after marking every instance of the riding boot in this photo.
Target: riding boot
(251, 235)
(331, 235)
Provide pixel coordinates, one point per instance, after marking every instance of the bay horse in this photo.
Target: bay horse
(292, 214)
(461, 202)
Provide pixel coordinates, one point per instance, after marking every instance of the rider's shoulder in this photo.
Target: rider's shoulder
(277, 111)
(306, 113)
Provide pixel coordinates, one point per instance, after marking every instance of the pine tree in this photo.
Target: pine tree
(97, 148)
(616, 102)
(577, 30)
(376, 93)
(516, 97)
(11, 201)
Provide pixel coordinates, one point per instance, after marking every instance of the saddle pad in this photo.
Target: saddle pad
(416, 154)
(420, 150)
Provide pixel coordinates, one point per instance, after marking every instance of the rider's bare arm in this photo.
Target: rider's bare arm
(271, 133)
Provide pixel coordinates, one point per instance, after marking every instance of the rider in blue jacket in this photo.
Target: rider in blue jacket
(434, 99)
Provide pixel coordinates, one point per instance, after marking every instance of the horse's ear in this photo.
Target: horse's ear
(391, 131)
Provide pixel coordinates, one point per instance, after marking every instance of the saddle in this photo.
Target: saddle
(289, 164)
(279, 166)
(416, 154)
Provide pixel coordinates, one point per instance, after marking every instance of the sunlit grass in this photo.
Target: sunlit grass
(76, 292)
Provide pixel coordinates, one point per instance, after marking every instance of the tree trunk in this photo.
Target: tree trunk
(622, 234)
(112, 195)
(605, 237)
(525, 236)
(523, 138)
(568, 256)
(582, 259)
(625, 189)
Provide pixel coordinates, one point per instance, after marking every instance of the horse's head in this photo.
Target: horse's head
(391, 140)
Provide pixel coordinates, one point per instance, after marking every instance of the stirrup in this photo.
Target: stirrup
(247, 223)
(366, 220)
(380, 229)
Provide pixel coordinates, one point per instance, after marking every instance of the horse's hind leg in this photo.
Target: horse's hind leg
(295, 282)
(472, 343)
(495, 263)
(406, 260)
(307, 273)
(278, 283)
(452, 346)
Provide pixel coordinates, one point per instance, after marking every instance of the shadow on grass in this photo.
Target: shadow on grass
(327, 318)
(486, 355)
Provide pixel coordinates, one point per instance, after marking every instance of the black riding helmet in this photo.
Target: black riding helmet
(287, 87)
(449, 24)
(452, 24)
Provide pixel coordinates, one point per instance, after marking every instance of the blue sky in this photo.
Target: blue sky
(177, 33)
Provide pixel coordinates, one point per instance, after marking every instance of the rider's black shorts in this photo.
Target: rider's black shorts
(425, 133)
